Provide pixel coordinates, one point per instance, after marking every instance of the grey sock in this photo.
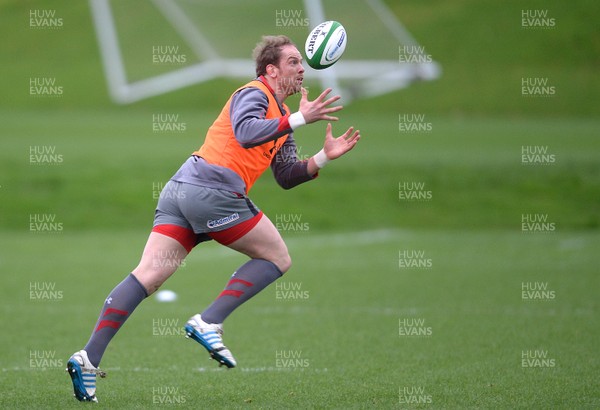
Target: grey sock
(247, 281)
(118, 306)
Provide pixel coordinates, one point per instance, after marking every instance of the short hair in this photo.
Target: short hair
(268, 51)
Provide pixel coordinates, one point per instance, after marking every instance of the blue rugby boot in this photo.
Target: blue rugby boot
(209, 336)
(83, 375)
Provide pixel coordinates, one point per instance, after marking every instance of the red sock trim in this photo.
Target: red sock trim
(234, 293)
(117, 311)
(242, 281)
(108, 323)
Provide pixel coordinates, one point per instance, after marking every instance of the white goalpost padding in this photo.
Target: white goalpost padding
(368, 77)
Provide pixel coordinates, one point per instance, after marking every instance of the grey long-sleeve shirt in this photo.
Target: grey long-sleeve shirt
(247, 112)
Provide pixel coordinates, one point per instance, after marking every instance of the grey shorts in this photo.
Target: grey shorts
(202, 209)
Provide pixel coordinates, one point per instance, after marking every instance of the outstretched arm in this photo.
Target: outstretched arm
(251, 128)
(288, 170)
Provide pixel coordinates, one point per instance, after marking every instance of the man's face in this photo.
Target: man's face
(290, 70)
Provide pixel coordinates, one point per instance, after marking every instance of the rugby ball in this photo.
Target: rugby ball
(325, 44)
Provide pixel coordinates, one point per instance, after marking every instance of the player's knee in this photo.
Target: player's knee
(153, 276)
(284, 262)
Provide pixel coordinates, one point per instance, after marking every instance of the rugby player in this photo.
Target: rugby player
(207, 199)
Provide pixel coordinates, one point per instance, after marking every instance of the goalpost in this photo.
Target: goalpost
(358, 75)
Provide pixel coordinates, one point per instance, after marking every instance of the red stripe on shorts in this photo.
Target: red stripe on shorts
(230, 235)
(186, 237)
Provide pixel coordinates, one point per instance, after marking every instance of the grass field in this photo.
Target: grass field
(479, 292)
(356, 301)
(112, 162)
(344, 325)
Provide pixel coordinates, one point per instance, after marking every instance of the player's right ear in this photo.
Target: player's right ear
(271, 71)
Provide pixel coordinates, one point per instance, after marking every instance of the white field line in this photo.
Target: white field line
(160, 369)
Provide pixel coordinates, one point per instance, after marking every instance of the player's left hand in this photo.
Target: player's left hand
(336, 147)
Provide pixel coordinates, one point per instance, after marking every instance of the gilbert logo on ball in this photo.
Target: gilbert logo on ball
(325, 44)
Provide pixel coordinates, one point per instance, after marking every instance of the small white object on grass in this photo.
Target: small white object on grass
(166, 296)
